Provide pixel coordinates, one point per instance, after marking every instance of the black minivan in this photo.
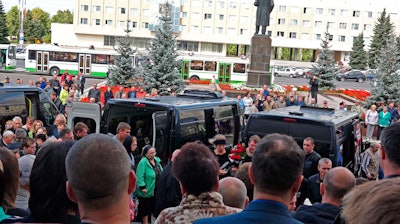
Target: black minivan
(166, 122)
(25, 101)
(332, 130)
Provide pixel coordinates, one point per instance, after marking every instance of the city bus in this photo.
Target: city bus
(222, 69)
(54, 60)
(8, 57)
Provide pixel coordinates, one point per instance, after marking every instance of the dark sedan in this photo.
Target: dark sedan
(359, 76)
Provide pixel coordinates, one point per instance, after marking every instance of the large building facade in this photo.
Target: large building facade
(217, 26)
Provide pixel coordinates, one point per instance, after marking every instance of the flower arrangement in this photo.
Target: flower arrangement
(238, 152)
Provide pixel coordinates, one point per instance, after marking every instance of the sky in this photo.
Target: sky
(50, 6)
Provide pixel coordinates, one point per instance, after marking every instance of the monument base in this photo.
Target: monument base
(258, 78)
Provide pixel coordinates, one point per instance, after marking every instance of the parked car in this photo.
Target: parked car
(370, 73)
(357, 75)
(286, 72)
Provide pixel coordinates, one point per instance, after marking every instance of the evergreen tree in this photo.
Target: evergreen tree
(387, 86)
(122, 71)
(325, 67)
(382, 29)
(161, 72)
(358, 58)
(3, 25)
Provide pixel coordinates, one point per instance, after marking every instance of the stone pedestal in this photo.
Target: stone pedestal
(259, 73)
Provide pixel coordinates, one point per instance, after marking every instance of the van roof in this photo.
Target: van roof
(309, 113)
(12, 86)
(176, 101)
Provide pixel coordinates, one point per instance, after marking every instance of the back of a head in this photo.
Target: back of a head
(25, 164)
(20, 134)
(11, 177)
(48, 200)
(196, 168)
(338, 182)
(390, 140)
(98, 168)
(373, 202)
(243, 175)
(233, 192)
(277, 163)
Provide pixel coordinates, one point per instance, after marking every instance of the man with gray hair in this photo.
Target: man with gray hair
(233, 192)
(101, 187)
(370, 161)
(314, 182)
(337, 182)
(17, 123)
(8, 138)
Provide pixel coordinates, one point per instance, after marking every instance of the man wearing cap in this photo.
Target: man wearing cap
(6, 79)
(25, 164)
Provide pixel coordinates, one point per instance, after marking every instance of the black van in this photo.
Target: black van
(166, 122)
(24, 101)
(332, 130)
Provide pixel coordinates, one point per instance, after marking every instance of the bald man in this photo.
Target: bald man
(169, 192)
(233, 192)
(337, 182)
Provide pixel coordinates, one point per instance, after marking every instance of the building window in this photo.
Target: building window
(317, 36)
(96, 22)
(207, 16)
(293, 22)
(331, 24)
(342, 26)
(282, 8)
(244, 31)
(231, 31)
(121, 10)
(188, 46)
(294, 9)
(183, 28)
(221, 17)
(220, 30)
(344, 13)
(109, 40)
(208, 3)
(207, 29)
(85, 8)
(356, 13)
(319, 11)
(195, 29)
(184, 14)
(305, 36)
(245, 6)
(280, 34)
(292, 35)
(367, 27)
(121, 23)
(195, 15)
(369, 14)
(134, 24)
(232, 18)
(184, 2)
(281, 21)
(84, 21)
(244, 19)
(331, 12)
(134, 11)
(354, 26)
(96, 8)
(211, 47)
(145, 25)
(109, 9)
(108, 22)
(306, 10)
(318, 24)
(232, 5)
(146, 12)
(342, 38)
(330, 37)
(306, 23)
(221, 4)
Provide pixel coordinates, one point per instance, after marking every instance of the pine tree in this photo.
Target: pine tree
(122, 72)
(358, 58)
(387, 86)
(3, 26)
(382, 29)
(162, 70)
(325, 67)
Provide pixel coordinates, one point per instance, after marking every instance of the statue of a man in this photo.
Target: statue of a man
(264, 8)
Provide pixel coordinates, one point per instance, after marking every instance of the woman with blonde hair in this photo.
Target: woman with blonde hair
(371, 120)
(36, 125)
(59, 123)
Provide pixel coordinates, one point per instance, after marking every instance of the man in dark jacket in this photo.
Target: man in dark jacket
(56, 100)
(336, 184)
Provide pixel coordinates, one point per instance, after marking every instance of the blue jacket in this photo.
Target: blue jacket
(317, 213)
(258, 211)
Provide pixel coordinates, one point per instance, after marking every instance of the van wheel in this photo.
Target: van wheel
(55, 71)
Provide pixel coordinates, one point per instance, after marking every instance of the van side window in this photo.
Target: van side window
(89, 122)
(192, 125)
(11, 105)
(224, 123)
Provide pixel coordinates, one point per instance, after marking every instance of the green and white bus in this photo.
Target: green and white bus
(8, 57)
(54, 60)
(222, 69)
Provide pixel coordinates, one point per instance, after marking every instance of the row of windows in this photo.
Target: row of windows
(306, 36)
(211, 66)
(73, 57)
(218, 4)
(108, 9)
(330, 12)
(109, 22)
(320, 24)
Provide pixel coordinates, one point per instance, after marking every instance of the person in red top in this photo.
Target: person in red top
(141, 93)
(64, 76)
